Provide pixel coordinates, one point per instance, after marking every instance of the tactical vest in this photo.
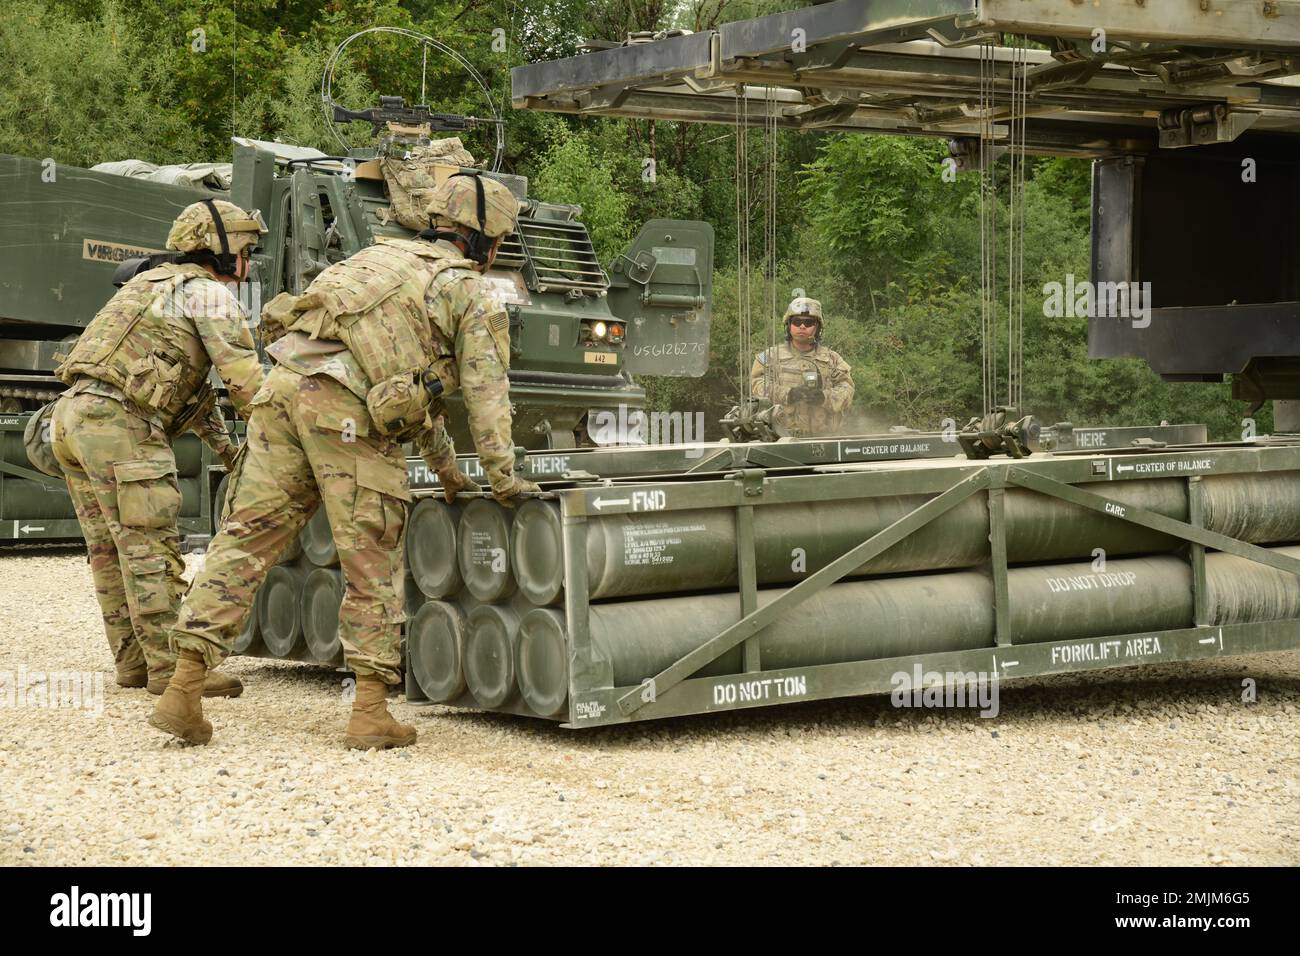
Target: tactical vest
(142, 343)
(384, 284)
(374, 303)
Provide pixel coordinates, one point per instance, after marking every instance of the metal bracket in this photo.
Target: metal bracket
(1201, 125)
(48, 483)
(751, 481)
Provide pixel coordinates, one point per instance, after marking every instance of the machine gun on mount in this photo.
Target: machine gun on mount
(393, 111)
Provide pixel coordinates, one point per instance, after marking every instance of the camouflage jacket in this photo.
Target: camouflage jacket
(778, 370)
(154, 343)
(469, 332)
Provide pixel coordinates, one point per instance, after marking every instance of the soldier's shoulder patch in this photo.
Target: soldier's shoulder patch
(498, 321)
(762, 357)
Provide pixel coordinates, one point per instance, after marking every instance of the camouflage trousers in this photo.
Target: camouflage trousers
(122, 476)
(308, 442)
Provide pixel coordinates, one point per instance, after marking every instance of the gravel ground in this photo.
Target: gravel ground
(1158, 766)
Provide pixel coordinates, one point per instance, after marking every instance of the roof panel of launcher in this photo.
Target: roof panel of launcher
(913, 67)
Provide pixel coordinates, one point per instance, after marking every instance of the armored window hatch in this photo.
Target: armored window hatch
(555, 254)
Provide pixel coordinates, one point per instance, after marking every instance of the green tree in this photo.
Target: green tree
(84, 91)
(572, 172)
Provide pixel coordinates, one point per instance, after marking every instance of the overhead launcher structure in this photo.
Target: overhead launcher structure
(1222, 76)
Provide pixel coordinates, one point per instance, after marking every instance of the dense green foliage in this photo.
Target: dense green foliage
(867, 224)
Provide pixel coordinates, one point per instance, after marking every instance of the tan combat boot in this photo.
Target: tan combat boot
(214, 685)
(371, 725)
(133, 677)
(180, 711)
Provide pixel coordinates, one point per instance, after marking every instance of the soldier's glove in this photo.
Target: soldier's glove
(808, 394)
(228, 454)
(454, 480)
(509, 491)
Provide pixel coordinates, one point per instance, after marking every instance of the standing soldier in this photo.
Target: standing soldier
(137, 376)
(364, 349)
(811, 384)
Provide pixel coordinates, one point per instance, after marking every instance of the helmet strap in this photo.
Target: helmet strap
(225, 260)
(477, 244)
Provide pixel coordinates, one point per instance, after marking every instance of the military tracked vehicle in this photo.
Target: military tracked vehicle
(579, 334)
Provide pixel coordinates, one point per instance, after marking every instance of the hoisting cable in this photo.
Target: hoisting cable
(769, 238)
(742, 240)
(1020, 264)
(1016, 225)
(987, 226)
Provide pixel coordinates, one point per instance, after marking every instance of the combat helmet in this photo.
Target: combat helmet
(218, 229)
(802, 305)
(469, 199)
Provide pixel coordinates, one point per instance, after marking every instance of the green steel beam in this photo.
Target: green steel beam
(582, 667)
(45, 481)
(747, 566)
(998, 560)
(1196, 553)
(861, 678)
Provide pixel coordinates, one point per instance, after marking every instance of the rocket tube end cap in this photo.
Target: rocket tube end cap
(537, 551)
(435, 650)
(322, 596)
(542, 661)
(279, 616)
(431, 551)
(318, 540)
(490, 654)
(483, 550)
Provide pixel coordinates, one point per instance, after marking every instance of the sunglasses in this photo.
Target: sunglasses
(804, 321)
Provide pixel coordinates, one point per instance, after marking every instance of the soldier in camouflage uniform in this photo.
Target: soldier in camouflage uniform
(810, 383)
(359, 348)
(138, 376)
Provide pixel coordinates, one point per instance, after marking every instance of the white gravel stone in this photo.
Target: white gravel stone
(1163, 765)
